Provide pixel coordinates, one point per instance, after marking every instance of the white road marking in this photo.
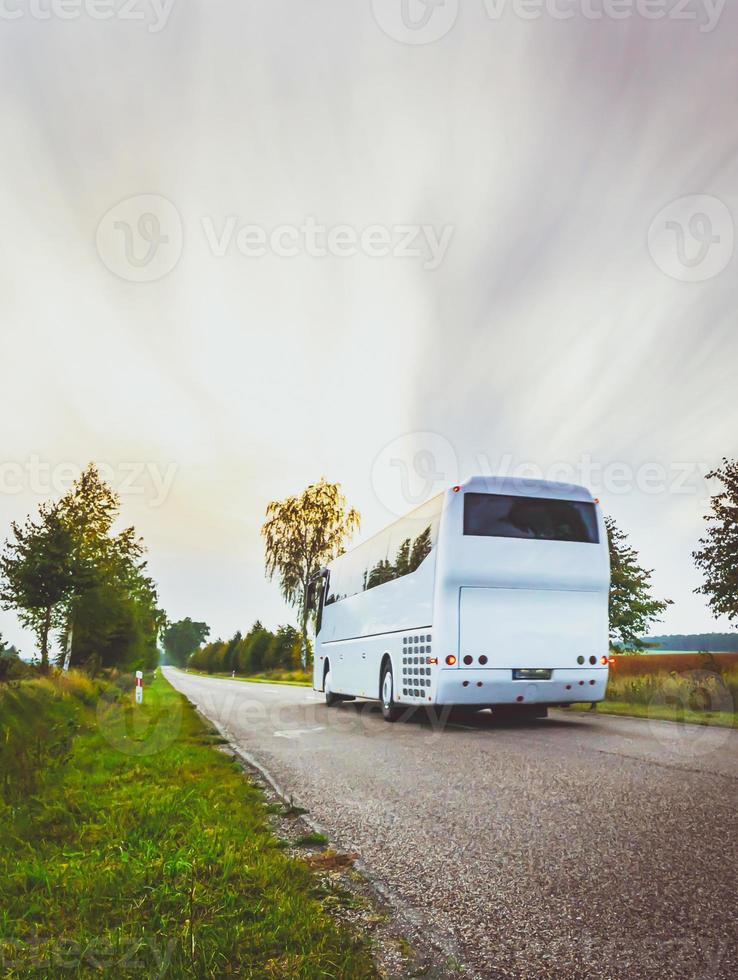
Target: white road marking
(299, 732)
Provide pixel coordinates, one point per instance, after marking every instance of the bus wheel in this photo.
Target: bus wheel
(390, 710)
(330, 697)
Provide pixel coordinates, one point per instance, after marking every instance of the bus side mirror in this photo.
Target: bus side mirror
(311, 596)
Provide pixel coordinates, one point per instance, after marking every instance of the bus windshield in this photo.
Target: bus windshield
(544, 519)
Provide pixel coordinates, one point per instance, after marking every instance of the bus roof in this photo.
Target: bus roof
(518, 486)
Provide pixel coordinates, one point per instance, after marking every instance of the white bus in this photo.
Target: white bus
(492, 594)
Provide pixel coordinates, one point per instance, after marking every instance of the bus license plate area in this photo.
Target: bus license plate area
(532, 674)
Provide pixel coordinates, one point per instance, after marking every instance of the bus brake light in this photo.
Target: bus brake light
(604, 660)
(450, 660)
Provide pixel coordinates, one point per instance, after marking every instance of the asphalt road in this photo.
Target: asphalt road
(581, 846)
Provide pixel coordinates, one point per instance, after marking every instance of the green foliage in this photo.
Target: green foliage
(632, 605)
(410, 555)
(11, 666)
(182, 638)
(113, 613)
(156, 865)
(717, 556)
(283, 652)
(303, 533)
(37, 573)
(259, 651)
(37, 723)
(69, 569)
(696, 690)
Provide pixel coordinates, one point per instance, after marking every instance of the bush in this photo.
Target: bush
(12, 668)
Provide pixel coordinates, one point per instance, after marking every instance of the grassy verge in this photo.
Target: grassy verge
(297, 677)
(138, 849)
(662, 712)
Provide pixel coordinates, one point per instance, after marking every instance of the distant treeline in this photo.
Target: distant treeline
(712, 642)
(260, 650)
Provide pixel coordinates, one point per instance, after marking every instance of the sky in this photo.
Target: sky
(390, 242)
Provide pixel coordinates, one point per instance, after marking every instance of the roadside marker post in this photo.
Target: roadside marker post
(139, 687)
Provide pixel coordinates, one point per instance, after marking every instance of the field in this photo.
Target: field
(652, 663)
(701, 688)
(131, 846)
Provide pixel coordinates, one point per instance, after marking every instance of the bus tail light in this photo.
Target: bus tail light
(432, 660)
(604, 660)
(611, 660)
(451, 660)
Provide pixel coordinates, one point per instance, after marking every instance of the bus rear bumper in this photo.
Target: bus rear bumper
(493, 686)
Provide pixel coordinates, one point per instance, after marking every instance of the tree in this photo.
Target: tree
(301, 534)
(181, 639)
(37, 573)
(718, 555)
(284, 649)
(632, 605)
(112, 610)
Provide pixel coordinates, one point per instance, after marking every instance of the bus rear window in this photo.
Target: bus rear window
(492, 515)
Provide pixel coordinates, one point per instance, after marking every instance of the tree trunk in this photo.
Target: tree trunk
(68, 654)
(303, 640)
(45, 640)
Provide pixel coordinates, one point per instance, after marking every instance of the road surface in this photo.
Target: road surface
(581, 846)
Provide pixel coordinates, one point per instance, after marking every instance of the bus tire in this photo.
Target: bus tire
(390, 710)
(331, 699)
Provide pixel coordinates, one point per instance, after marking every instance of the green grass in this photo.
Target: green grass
(133, 847)
(313, 839)
(296, 677)
(662, 712)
